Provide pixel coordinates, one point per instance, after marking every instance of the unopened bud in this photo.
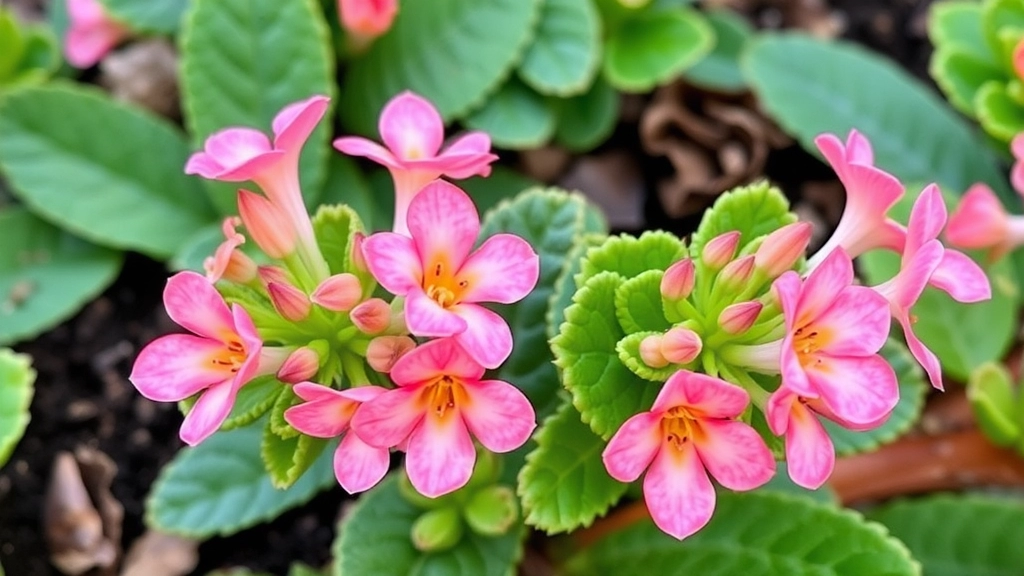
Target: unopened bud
(338, 293)
(269, 274)
(782, 248)
(437, 530)
(289, 301)
(738, 318)
(384, 351)
(681, 345)
(735, 274)
(240, 269)
(301, 365)
(491, 511)
(357, 259)
(372, 316)
(720, 250)
(650, 352)
(677, 283)
(267, 224)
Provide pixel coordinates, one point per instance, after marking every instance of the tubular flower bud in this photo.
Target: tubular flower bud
(782, 248)
(300, 365)
(437, 530)
(267, 224)
(240, 268)
(735, 274)
(289, 301)
(339, 293)
(677, 283)
(681, 345)
(384, 351)
(739, 317)
(650, 352)
(372, 316)
(720, 250)
(269, 274)
(357, 260)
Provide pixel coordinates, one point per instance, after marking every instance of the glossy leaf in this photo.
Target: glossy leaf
(565, 285)
(638, 303)
(515, 117)
(585, 121)
(162, 17)
(16, 380)
(253, 401)
(286, 460)
(630, 256)
(720, 68)
(753, 210)
(654, 46)
(994, 403)
(998, 111)
(334, 227)
(566, 50)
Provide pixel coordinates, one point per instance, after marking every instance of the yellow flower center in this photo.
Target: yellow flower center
(231, 357)
(678, 426)
(808, 340)
(442, 286)
(443, 396)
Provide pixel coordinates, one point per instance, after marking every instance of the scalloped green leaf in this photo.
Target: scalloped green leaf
(755, 534)
(564, 484)
(628, 350)
(654, 46)
(586, 120)
(604, 390)
(452, 52)
(28, 52)
(551, 221)
(999, 114)
(16, 380)
(278, 425)
(565, 284)
(334, 227)
(631, 256)
(566, 50)
(907, 412)
(961, 74)
(991, 394)
(220, 487)
(374, 538)
(346, 184)
(286, 460)
(958, 535)
(915, 135)
(253, 401)
(515, 117)
(242, 62)
(754, 210)
(781, 482)
(638, 303)
(162, 17)
(60, 168)
(46, 275)
(959, 23)
(998, 16)
(720, 69)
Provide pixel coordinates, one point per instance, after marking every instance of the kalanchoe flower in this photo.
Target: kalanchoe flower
(678, 281)
(650, 351)
(442, 281)
(690, 431)
(735, 274)
(340, 292)
(266, 224)
(228, 261)
(720, 250)
(980, 221)
(289, 301)
(301, 364)
(413, 132)
(364, 20)
(782, 248)
(810, 454)
(739, 317)
(439, 402)
(215, 362)
(91, 33)
(372, 316)
(680, 345)
(870, 193)
(327, 413)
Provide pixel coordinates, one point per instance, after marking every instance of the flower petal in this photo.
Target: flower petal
(87, 44)
(443, 223)
(921, 353)
(857, 389)
(858, 149)
(194, 304)
(176, 366)
(393, 261)
(961, 278)
(713, 397)
(678, 492)
(208, 413)
(296, 121)
(411, 127)
(810, 456)
(487, 338)
(498, 415)
(504, 269)
(440, 456)
(979, 221)
(469, 155)
(633, 447)
(425, 317)
(433, 360)
(780, 403)
(359, 466)
(857, 323)
(820, 289)
(358, 146)
(388, 419)
(907, 285)
(326, 413)
(927, 218)
(734, 453)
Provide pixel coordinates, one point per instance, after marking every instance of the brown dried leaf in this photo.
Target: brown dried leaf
(72, 525)
(159, 554)
(144, 73)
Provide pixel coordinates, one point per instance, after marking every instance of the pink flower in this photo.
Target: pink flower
(833, 333)
(1017, 144)
(442, 281)
(439, 401)
(222, 356)
(926, 261)
(228, 261)
(690, 431)
(367, 19)
(870, 192)
(91, 33)
(413, 132)
(980, 221)
(327, 413)
(810, 455)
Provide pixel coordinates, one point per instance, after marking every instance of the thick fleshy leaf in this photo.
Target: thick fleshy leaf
(160, 17)
(630, 256)
(16, 380)
(720, 68)
(565, 53)
(286, 460)
(586, 120)
(638, 304)
(998, 111)
(653, 46)
(516, 117)
(753, 210)
(993, 399)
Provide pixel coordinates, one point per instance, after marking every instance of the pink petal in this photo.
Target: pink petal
(823, 285)
(358, 146)
(411, 127)
(208, 413)
(780, 403)
(85, 45)
(678, 492)
(858, 149)
(810, 455)
(247, 331)
(858, 322)
(359, 466)
(912, 278)
(440, 456)
(1017, 144)
(487, 338)
(388, 419)
(469, 155)
(393, 261)
(734, 454)
(444, 224)
(498, 415)
(425, 317)
(194, 304)
(204, 165)
(921, 353)
(793, 375)
(834, 151)
(979, 221)
(243, 154)
(433, 360)
(633, 447)
(176, 366)
(504, 269)
(295, 122)
(961, 278)
(326, 413)
(857, 389)
(927, 218)
(713, 397)
(85, 11)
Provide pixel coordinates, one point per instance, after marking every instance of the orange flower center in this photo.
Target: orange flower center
(443, 396)
(678, 426)
(442, 286)
(231, 357)
(807, 341)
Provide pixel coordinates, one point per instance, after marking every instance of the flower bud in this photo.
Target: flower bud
(269, 274)
(720, 250)
(301, 365)
(384, 351)
(267, 224)
(357, 260)
(289, 301)
(372, 316)
(979, 221)
(240, 268)
(437, 530)
(735, 274)
(650, 351)
(677, 283)
(738, 318)
(338, 293)
(681, 345)
(491, 511)
(782, 248)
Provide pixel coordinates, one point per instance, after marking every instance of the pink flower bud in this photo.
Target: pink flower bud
(735, 274)
(240, 268)
(677, 283)
(367, 19)
(782, 248)
(720, 249)
(738, 318)
(372, 316)
(301, 365)
(338, 293)
(384, 351)
(289, 301)
(267, 225)
(681, 345)
(270, 274)
(979, 221)
(358, 260)
(650, 352)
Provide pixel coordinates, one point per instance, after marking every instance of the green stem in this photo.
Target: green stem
(353, 368)
(758, 395)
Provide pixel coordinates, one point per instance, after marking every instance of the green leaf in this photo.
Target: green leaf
(564, 484)
(654, 46)
(452, 52)
(16, 380)
(585, 121)
(375, 539)
(998, 112)
(628, 350)
(515, 117)
(720, 69)
(11, 44)
(565, 284)
(300, 569)
(991, 394)
(161, 17)
(604, 390)
(997, 17)
(101, 188)
(914, 134)
(755, 534)
(959, 24)
(283, 401)
(334, 227)
(906, 413)
(961, 74)
(630, 256)
(287, 459)
(782, 483)
(638, 303)
(197, 248)
(46, 275)
(253, 401)
(566, 50)
(753, 210)
(959, 535)
(550, 220)
(242, 62)
(346, 184)
(219, 487)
